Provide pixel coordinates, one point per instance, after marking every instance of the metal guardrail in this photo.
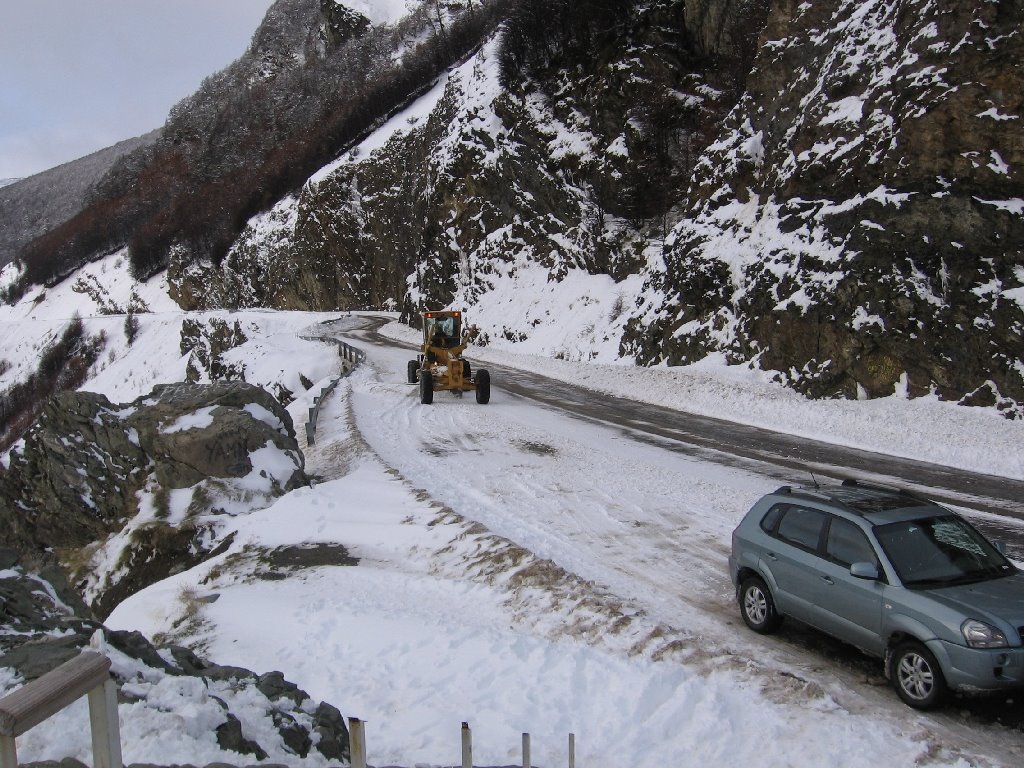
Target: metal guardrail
(88, 674)
(350, 358)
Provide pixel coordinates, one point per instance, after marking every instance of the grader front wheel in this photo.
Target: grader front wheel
(426, 387)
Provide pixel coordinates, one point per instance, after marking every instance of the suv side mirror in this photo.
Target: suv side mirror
(865, 571)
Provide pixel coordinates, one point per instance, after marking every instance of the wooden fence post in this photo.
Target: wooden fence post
(106, 726)
(8, 752)
(467, 747)
(357, 742)
(526, 750)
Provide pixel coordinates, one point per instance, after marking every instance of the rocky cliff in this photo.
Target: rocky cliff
(126, 494)
(857, 224)
(828, 191)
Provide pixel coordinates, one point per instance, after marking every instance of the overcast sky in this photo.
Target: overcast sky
(80, 75)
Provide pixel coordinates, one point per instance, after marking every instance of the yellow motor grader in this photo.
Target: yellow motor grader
(440, 365)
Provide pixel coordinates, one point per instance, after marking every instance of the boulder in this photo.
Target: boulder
(159, 469)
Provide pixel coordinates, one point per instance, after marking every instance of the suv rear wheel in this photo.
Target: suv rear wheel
(757, 606)
(917, 676)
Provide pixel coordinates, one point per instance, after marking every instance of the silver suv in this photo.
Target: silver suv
(896, 575)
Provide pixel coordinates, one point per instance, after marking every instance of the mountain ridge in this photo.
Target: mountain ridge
(778, 177)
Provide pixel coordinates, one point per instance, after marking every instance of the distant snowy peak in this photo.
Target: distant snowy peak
(7, 182)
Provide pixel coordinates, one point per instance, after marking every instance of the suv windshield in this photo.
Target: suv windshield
(940, 551)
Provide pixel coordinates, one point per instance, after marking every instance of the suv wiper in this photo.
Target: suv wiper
(954, 581)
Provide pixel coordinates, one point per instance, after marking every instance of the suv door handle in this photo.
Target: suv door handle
(828, 580)
(771, 555)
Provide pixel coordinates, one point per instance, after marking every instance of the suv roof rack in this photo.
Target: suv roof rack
(852, 482)
(813, 493)
(840, 499)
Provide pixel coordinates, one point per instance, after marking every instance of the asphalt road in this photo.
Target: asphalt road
(792, 460)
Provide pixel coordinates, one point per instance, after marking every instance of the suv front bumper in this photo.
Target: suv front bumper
(979, 669)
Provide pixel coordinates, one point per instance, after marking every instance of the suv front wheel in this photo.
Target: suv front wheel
(757, 606)
(917, 676)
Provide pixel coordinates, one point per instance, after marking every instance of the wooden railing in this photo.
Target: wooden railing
(88, 674)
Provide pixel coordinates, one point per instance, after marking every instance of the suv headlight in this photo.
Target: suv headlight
(978, 634)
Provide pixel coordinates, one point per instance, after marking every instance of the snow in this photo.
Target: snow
(432, 628)
(517, 569)
(397, 125)
(200, 419)
(412, 648)
(1014, 205)
(378, 11)
(496, 554)
(923, 428)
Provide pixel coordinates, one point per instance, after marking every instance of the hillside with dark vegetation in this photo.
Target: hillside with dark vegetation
(307, 88)
(33, 206)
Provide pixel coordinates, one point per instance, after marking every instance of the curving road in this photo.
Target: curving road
(640, 501)
(787, 458)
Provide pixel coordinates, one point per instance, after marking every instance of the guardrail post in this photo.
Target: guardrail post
(103, 717)
(8, 752)
(467, 747)
(350, 356)
(106, 727)
(357, 742)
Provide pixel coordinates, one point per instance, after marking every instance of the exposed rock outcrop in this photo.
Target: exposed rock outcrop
(858, 225)
(340, 23)
(492, 182)
(157, 472)
(205, 343)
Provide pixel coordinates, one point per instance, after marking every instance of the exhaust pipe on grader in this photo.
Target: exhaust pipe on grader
(440, 366)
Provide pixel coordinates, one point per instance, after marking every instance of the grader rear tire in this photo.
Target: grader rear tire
(483, 387)
(413, 371)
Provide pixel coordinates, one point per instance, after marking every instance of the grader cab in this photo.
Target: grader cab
(440, 365)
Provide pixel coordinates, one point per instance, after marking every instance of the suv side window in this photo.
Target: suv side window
(771, 520)
(847, 544)
(802, 526)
